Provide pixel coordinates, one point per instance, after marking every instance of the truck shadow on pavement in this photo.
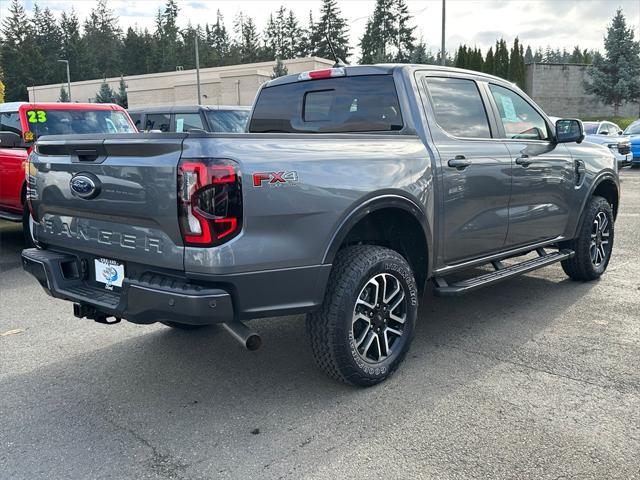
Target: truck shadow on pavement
(176, 391)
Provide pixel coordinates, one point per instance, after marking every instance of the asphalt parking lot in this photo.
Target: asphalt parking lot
(538, 378)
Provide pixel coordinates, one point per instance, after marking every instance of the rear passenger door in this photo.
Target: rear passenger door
(474, 168)
(543, 170)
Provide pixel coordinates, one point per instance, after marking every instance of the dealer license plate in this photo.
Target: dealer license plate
(109, 272)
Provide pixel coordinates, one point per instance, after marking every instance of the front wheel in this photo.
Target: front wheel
(364, 328)
(594, 243)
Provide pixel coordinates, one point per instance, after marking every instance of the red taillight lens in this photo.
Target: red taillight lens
(210, 201)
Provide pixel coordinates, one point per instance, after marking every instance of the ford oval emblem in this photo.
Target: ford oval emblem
(84, 186)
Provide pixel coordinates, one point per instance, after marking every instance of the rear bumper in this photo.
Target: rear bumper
(152, 297)
(156, 299)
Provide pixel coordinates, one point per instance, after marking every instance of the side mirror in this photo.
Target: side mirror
(569, 130)
(620, 132)
(11, 140)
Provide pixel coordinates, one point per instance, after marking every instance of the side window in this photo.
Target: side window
(519, 118)
(458, 107)
(10, 122)
(188, 121)
(158, 121)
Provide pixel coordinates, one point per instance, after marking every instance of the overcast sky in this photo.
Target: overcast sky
(559, 23)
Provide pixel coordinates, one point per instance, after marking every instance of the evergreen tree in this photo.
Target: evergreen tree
(489, 63)
(121, 97)
(48, 39)
(103, 41)
(516, 64)
(137, 46)
(73, 47)
(64, 96)
(528, 56)
(615, 77)
(576, 55)
(21, 59)
(388, 36)
(247, 41)
(538, 56)
(274, 34)
(461, 59)
(420, 54)
(293, 46)
(279, 69)
(333, 25)
(166, 39)
(218, 40)
(308, 36)
(404, 39)
(105, 94)
(501, 59)
(476, 62)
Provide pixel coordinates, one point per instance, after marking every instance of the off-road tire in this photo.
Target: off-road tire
(330, 329)
(581, 267)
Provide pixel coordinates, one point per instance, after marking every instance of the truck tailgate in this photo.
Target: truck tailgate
(113, 196)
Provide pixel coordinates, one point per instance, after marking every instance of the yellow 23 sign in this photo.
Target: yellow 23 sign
(37, 116)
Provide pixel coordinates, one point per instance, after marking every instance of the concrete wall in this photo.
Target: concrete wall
(230, 85)
(559, 90)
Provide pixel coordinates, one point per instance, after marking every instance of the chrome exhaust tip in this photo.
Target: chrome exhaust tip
(240, 332)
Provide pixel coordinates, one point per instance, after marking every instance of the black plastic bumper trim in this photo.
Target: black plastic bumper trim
(136, 302)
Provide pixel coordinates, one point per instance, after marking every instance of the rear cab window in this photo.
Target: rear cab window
(359, 103)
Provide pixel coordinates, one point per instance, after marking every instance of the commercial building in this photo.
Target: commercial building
(559, 89)
(229, 85)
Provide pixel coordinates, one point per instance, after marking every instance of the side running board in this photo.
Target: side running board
(501, 272)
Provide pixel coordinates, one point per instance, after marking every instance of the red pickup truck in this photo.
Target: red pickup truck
(22, 123)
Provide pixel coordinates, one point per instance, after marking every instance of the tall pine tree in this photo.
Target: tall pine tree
(333, 25)
(21, 58)
(615, 77)
(103, 40)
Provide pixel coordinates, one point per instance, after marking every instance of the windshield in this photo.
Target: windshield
(64, 122)
(590, 128)
(633, 129)
(233, 121)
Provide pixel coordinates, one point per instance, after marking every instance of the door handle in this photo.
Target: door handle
(523, 160)
(460, 162)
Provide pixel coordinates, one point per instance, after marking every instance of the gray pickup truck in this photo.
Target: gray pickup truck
(353, 189)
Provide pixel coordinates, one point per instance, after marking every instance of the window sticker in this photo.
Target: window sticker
(509, 110)
(179, 124)
(37, 116)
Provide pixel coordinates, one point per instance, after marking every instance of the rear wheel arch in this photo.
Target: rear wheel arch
(391, 221)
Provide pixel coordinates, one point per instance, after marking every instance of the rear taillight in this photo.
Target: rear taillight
(209, 201)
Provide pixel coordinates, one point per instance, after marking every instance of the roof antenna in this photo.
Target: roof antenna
(339, 63)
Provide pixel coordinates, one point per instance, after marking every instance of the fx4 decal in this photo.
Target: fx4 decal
(275, 179)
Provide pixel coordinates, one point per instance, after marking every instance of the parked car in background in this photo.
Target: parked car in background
(22, 123)
(230, 119)
(610, 135)
(633, 132)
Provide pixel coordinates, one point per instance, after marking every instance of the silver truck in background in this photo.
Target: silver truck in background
(352, 188)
